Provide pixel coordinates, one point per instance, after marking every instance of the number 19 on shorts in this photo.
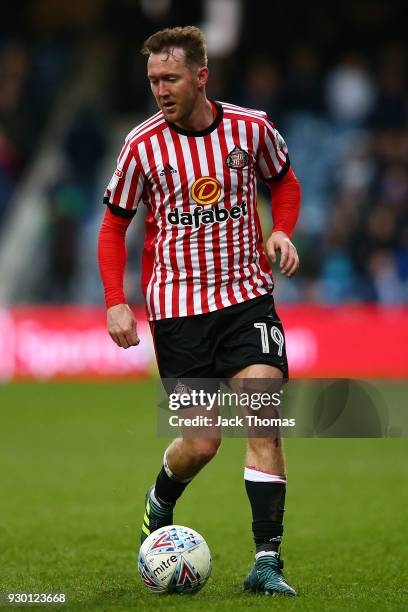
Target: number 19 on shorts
(276, 336)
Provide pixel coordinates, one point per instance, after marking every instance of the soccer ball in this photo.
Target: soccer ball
(174, 559)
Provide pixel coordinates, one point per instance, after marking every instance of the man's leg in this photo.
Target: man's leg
(185, 357)
(265, 483)
(183, 459)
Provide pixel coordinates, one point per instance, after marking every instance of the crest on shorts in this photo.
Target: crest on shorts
(181, 388)
(237, 158)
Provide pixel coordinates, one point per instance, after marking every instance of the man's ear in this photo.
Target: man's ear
(203, 75)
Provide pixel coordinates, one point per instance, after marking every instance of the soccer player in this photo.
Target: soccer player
(206, 278)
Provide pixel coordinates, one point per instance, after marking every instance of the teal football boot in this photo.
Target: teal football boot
(157, 514)
(266, 576)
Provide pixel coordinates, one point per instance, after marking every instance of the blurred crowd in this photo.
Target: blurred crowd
(30, 74)
(349, 146)
(333, 80)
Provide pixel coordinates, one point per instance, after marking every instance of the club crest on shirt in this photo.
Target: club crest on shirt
(237, 158)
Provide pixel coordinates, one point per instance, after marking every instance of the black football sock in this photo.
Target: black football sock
(268, 503)
(168, 489)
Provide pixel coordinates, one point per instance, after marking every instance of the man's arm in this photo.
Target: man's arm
(121, 322)
(273, 167)
(286, 197)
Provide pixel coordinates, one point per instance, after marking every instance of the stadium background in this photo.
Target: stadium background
(334, 81)
(72, 84)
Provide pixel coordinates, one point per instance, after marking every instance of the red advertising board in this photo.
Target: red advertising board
(68, 341)
(347, 341)
(72, 342)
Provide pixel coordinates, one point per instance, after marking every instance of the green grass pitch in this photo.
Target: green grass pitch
(76, 459)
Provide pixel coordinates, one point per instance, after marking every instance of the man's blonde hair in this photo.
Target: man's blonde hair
(189, 38)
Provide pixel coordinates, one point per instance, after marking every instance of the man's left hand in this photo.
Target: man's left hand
(289, 259)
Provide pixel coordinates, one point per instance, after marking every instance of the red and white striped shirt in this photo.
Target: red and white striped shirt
(203, 245)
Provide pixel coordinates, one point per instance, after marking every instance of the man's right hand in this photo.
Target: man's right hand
(121, 324)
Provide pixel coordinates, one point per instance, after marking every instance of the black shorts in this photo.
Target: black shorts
(213, 344)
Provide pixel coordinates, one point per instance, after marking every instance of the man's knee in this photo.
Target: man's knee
(204, 449)
(262, 445)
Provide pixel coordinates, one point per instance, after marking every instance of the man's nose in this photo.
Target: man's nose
(162, 89)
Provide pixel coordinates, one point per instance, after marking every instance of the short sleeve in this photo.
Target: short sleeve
(272, 158)
(125, 188)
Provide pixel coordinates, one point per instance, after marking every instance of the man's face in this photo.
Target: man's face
(175, 85)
